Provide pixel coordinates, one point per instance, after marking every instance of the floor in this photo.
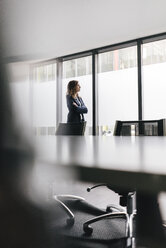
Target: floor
(100, 197)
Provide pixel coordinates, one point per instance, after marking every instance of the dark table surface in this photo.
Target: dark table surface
(136, 163)
(124, 161)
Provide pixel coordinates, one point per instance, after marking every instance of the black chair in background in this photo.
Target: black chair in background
(78, 211)
(144, 128)
(71, 128)
(127, 128)
(140, 128)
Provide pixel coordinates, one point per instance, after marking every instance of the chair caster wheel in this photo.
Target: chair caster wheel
(70, 221)
(88, 230)
(109, 209)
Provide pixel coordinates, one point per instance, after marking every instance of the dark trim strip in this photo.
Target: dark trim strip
(58, 92)
(117, 46)
(139, 66)
(94, 94)
(152, 38)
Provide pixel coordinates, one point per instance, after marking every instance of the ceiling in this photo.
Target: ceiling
(40, 29)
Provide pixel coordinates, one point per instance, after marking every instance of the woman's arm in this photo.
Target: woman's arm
(72, 106)
(81, 109)
(69, 100)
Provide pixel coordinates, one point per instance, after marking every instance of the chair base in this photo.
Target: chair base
(88, 229)
(69, 221)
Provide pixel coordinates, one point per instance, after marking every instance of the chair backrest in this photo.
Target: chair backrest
(138, 128)
(71, 128)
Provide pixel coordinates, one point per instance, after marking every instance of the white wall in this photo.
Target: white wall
(46, 29)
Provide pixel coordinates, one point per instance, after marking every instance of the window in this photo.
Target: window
(20, 92)
(81, 71)
(117, 88)
(44, 73)
(77, 67)
(44, 99)
(119, 95)
(118, 60)
(154, 80)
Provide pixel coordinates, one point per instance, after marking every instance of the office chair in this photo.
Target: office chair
(140, 128)
(71, 128)
(111, 211)
(71, 204)
(127, 128)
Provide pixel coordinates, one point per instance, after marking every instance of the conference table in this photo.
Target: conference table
(136, 163)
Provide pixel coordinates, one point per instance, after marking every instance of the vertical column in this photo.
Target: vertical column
(139, 65)
(31, 81)
(59, 92)
(94, 93)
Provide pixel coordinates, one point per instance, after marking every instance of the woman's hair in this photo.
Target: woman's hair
(71, 87)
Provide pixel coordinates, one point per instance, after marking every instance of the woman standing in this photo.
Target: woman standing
(75, 103)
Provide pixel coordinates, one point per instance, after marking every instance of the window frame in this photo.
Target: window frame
(94, 53)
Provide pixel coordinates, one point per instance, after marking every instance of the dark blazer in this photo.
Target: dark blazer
(75, 113)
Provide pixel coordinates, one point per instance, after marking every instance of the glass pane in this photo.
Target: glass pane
(154, 80)
(18, 75)
(117, 88)
(69, 69)
(44, 100)
(81, 71)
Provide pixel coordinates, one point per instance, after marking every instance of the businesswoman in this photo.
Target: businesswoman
(75, 104)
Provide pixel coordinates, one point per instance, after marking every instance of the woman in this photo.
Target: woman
(75, 103)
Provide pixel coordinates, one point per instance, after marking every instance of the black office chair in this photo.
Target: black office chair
(72, 205)
(112, 211)
(140, 128)
(71, 128)
(77, 211)
(127, 128)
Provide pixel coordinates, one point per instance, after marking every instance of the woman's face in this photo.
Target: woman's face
(78, 87)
